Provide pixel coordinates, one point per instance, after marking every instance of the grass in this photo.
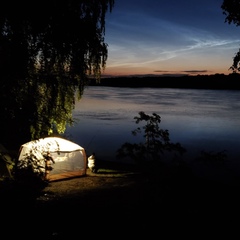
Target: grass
(117, 202)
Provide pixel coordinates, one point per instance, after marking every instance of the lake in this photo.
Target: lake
(201, 120)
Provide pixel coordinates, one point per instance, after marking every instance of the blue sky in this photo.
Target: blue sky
(169, 37)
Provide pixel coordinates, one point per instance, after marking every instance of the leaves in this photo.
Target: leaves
(47, 53)
(157, 141)
(231, 9)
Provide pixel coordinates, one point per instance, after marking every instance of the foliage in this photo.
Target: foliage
(7, 166)
(213, 158)
(47, 53)
(34, 165)
(231, 8)
(31, 165)
(56, 38)
(157, 142)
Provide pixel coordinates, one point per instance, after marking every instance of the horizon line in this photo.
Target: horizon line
(163, 75)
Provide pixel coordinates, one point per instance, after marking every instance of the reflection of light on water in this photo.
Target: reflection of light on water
(198, 119)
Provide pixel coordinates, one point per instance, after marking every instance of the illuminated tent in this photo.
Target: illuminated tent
(69, 159)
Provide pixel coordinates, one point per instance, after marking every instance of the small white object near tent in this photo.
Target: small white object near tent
(69, 159)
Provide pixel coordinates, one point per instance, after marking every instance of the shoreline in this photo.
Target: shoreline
(214, 82)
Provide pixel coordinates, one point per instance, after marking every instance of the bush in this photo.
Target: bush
(156, 143)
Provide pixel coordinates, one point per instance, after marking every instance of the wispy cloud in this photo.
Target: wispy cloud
(141, 35)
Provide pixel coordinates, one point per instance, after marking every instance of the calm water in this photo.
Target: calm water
(206, 120)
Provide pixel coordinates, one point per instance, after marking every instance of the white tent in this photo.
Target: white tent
(69, 158)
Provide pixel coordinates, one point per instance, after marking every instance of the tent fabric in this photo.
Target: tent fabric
(69, 159)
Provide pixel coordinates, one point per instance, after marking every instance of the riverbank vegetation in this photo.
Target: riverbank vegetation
(216, 81)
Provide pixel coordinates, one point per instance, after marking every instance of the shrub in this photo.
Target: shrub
(156, 142)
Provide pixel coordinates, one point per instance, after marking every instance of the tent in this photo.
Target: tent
(68, 158)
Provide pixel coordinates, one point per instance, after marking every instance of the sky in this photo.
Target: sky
(169, 37)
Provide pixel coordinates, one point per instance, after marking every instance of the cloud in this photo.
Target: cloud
(165, 72)
(143, 35)
(195, 71)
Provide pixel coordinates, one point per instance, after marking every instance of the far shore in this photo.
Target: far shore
(216, 81)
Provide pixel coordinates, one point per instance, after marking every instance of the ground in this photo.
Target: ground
(120, 203)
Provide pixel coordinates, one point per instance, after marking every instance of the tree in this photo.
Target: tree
(231, 8)
(156, 142)
(47, 52)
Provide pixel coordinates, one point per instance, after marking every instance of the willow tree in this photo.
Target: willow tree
(231, 8)
(48, 50)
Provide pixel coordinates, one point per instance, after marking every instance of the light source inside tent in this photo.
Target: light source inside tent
(69, 158)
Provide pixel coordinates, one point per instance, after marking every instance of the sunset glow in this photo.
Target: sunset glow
(152, 37)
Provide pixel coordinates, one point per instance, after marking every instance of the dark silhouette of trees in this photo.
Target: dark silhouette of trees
(156, 142)
(48, 50)
(231, 8)
(216, 81)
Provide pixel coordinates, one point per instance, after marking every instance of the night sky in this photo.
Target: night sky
(169, 37)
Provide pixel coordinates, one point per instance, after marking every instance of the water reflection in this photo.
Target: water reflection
(206, 120)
